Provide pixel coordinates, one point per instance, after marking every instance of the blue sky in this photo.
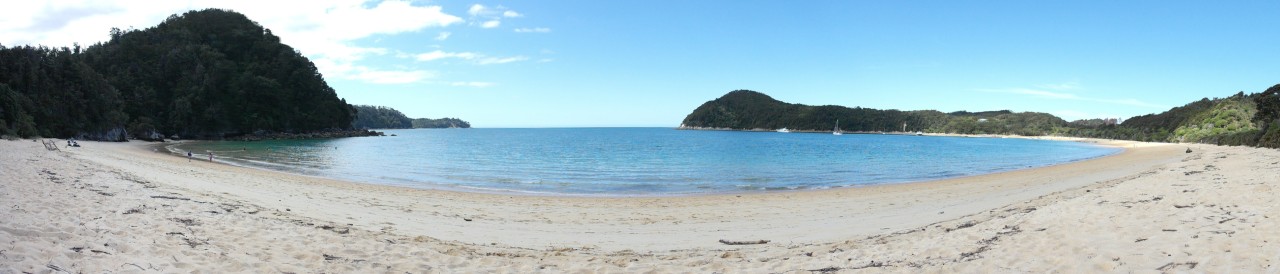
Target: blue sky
(649, 63)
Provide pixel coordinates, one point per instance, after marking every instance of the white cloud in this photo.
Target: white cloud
(438, 54)
(327, 31)
(472, 84)
(478, 58)
(373, 75)
(477, 10)
(533, 30)
(496, 60)
(443, 35)
(1069, 96)
(489, 17)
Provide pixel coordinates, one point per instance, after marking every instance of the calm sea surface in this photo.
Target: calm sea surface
(641, 161)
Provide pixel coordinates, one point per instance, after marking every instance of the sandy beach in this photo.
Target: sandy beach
(121, 207)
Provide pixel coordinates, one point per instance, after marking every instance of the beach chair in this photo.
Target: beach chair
(50, 144)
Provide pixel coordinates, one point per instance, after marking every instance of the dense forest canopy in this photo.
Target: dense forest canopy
(205, 74)
(440, 123)
(371, 117)
(54, 92)
(745, 109)
(1240, 119)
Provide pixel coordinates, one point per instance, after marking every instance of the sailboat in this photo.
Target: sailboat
(837, 130)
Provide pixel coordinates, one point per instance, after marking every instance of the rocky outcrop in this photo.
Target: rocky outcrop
(113, 135)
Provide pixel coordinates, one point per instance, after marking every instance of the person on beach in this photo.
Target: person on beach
(210, 156)
(188, 156)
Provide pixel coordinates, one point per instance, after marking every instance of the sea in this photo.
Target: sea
(640, 161)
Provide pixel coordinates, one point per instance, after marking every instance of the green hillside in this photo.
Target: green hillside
(204, 74)
(378, 117)
(750, 110)
(1240, 119)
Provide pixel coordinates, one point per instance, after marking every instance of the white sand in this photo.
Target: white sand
(110, 207)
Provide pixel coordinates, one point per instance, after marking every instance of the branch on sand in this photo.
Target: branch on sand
(756, 242)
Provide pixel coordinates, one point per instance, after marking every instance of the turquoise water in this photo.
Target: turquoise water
(641, 161)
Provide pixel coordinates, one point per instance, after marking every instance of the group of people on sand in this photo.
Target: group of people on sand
(72, 143)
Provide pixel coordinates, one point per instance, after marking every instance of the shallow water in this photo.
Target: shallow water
(641, 161)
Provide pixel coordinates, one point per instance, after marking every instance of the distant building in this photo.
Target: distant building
(983, 120)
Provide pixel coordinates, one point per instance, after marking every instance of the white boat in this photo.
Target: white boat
(784, 130)
(837, 130)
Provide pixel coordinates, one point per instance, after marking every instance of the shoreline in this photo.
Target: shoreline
(1008, 187)
(1115, 213)
(165, 148)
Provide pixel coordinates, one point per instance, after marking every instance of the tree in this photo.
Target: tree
(202, 74)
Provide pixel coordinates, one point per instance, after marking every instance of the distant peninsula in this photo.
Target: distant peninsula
(1240, 119)
(380, 117)
(751, 110)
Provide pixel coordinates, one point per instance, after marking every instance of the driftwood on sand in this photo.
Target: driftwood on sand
(755, 242)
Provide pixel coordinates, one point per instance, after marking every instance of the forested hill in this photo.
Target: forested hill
(750, 110)
(440, 123)
(1240, 119)
(378, 117)
(204, 74)
(369, 117)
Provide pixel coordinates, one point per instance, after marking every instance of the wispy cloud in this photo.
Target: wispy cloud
(1059, 92)
(438, 54)
(325, 31)
(504, 60)
(490, 17)
(476, 9)
(533, 30)
(443, 35)
(477, 58)
(472, 84)
(374, 75)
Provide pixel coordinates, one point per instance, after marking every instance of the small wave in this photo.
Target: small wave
(621, 162)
